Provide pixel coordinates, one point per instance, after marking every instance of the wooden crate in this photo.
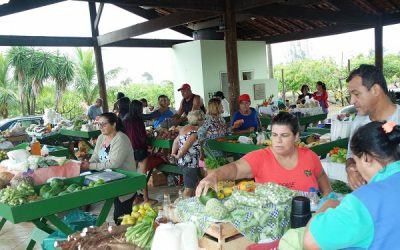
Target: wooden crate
(223, 236)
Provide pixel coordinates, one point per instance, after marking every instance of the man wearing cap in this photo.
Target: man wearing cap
(246, 119)
(189, 103)
(224, 102)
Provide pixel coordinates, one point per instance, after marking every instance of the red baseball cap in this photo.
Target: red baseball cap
(244, 97)
(184, 86)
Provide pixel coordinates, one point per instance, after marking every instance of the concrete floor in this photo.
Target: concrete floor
(18, 236)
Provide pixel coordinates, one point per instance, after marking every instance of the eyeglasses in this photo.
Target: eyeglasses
(102, 124)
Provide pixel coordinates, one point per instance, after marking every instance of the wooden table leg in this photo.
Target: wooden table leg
(2, 222)
(104, 212)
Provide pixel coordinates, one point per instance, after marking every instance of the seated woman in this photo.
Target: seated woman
(186, 149)
(214, 125)
(301, 99)
(246, 119)
(368, 218)
(283, 163)
(113, 150)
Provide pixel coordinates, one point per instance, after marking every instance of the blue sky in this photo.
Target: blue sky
(71, 18)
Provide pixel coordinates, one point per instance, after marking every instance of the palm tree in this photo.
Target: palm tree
(62, 75)
(85, 75)
(41, 64)
(8, 97)
(18, 58)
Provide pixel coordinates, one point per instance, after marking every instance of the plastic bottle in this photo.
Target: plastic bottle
(35, 146)
(180, 197)
(45, 151)
(167, 206)
(314, 199)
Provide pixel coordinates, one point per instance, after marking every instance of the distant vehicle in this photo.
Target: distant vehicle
(25, 121)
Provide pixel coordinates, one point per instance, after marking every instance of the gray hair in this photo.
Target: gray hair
(195, 117)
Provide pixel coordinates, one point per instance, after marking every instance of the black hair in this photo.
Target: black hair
(284, 118)
(373, 140)
(120, 95)
(322, 84)
(370, 75)
(162, 96)
(123, 106)
(303, 87)
(136, 110)
(219, 94)
(143, 100)
(113, 119)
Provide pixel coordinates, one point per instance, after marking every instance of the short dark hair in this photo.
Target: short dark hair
(123, 106)
(303, 87)
(143, 100)
(285, 118)
(373, 140)
(162, 96)
(120, 95)
(113, 119)
(370, 75)
(219, 94)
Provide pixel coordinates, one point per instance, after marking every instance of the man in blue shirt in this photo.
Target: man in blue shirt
(95, 110)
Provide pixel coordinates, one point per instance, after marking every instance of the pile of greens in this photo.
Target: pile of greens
(340, 187)
(211, 161)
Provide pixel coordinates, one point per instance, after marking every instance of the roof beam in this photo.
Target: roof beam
(216, 22)
(98, 16)
(15, 6)
(171, 20)
(147, 43)
(330, 30)
(151, 14)
(44, 41)
(291, 12)
(206, 5)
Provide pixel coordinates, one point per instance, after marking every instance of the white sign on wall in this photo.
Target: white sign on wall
(259, 91)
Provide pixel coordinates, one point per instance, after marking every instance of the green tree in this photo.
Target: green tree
(8, 96)
(62, 74)
(18, 57)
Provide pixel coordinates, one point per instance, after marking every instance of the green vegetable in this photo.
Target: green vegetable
(64, 192)
(45, 162)
(215, 209)
(56, 182)
(44, 189)
(210, 194)
(340, 187)
(73, 187)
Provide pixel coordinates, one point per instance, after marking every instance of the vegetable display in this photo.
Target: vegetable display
(338, 155)
(142, 233)
(340, 187)
(139, 212)
(215, 209)
(18, 195)
(210, 195)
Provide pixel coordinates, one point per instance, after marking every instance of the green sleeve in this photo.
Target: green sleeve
(348, 225)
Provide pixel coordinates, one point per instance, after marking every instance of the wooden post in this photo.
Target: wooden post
(269, 61)
(379, 45)
(98, 57)
(283, 88)
(231, 56)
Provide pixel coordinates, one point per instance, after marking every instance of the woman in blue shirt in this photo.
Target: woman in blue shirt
(246, 119)
(369, 217)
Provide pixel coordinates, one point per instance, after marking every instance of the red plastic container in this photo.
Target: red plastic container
(264, 246)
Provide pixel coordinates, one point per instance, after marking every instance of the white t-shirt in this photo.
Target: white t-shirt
(364, 119)
(225, 105)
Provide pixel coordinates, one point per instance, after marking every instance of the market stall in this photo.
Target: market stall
(53, 150)
(85, 136)
(44, 210)
(303, 120)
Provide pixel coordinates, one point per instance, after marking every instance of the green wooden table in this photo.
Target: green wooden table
(238, 148)
(43, 211)
(266, 120)
(53, 150)
(85, 136)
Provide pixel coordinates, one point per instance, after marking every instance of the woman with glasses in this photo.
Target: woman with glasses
(113, 150)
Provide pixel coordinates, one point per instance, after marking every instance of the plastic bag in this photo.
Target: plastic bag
(245, 140)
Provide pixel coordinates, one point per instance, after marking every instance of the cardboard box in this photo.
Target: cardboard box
(157, 179)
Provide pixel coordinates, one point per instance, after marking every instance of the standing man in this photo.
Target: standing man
(370, 96)
(190, 102)
(224, 102)
(95, 109)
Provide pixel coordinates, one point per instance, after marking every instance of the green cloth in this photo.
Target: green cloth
(351, 214)
(292, 239)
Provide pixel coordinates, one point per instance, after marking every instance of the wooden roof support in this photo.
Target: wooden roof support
(379, 45)
(98, 16)
(292, 12)
(231, 56)
(98, 56)
(171, 20)
(151, 14)
(15, 6)
(206, 5)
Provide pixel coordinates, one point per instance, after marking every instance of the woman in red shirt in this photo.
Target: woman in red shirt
(321, 95)
(283, 163)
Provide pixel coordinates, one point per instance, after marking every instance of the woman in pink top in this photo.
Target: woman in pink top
(283, 163)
